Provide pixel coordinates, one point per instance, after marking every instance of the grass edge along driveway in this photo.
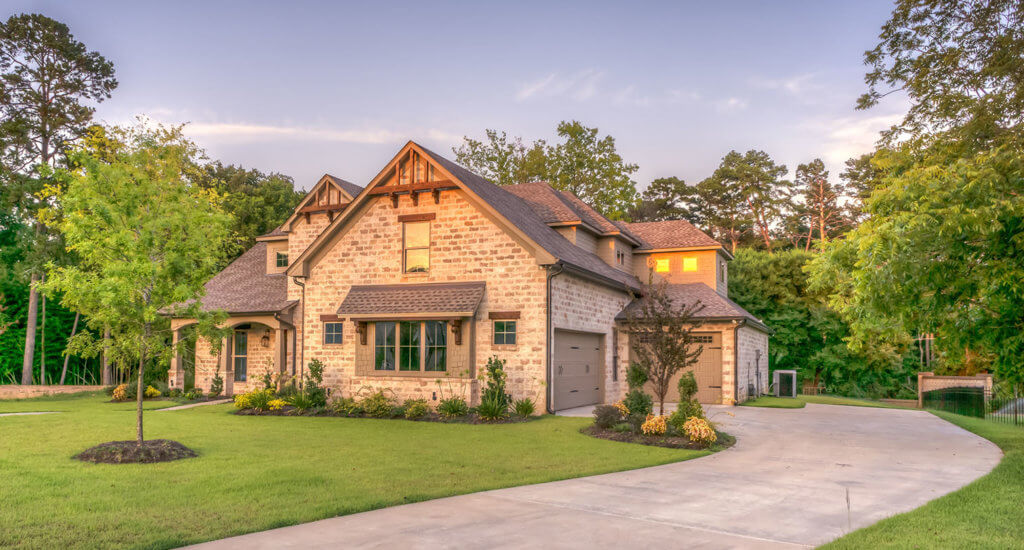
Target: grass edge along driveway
(257, 473)
(984, 514)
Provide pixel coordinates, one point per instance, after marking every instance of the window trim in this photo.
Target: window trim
(278, 257)
(406, 249)
(514, 332)
(340, 333)
(396, 347)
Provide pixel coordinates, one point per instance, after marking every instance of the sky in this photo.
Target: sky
(307, 88)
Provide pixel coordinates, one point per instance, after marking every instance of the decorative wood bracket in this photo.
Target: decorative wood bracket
(437, 195)
(361, 331)
(457, 331)
(394, 200)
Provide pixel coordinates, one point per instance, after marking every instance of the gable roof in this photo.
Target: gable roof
(245, 287)
(349, 189)
(562, 207)
(715, 305)
(670, 234)
(461, 299)
(508, 210)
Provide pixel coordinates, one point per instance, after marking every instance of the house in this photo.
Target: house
(411, 283)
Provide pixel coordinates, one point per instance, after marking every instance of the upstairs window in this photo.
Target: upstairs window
(416, 247)
(620, 257)
(661, 265)
(281, 260)
(689, 264)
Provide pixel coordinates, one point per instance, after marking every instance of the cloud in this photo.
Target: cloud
(580, 86)
(629, 96)
(848, 137)
(259, 132)
(731, 104)
(794, 85)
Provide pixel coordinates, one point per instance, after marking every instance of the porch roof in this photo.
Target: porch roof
(715, 305)
(459, 299)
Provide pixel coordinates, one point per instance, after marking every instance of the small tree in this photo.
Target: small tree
(661, 335)
(147, 237)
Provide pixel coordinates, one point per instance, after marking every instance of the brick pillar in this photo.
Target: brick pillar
(227, 367)
(177, 377)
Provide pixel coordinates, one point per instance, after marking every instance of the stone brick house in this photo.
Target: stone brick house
(414, 281)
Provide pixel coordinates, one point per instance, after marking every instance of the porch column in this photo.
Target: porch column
(177, 378)
(228, 370)
(280, 349)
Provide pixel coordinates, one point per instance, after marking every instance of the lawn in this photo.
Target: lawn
(256, 473)
(800, 401)
(984, 514)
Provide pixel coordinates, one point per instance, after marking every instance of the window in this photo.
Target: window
(241, 354)
(416, 247)
(661, 265)
(281, 259)
(689, 264)
(721, 272)
(384, 346)
(408, 346)
(436, 345)
(332, 333)
(620, 257)
(504, 333)
(420, 346)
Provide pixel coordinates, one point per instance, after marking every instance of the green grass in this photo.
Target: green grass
(984, 514)
(256, 473)
(801, 400)
(771, 402)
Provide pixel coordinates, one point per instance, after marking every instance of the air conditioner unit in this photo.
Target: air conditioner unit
(784, 382)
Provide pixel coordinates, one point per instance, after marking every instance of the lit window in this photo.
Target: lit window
(661, 266)
(504, 333)
(689, 264)
(416, 247)
(241, 358)
(384, 346)
(332, 333)
(282, 259)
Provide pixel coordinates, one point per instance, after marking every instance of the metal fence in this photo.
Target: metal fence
(1002, 403)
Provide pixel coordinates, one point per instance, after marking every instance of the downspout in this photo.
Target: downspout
(553, 271)
(281, 321)
(302, 351)
(736, 361)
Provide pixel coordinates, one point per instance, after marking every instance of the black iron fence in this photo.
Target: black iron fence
(1002, 403)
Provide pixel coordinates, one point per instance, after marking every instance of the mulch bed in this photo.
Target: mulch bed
(429, 417)
(129, 452)
(672, 442)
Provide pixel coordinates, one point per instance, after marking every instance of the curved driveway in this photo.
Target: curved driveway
(784, 485)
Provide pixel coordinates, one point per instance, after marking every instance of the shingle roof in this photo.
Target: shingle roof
(245, 287)
(554, 206)
(349, 187)
(670, 234)
(454, 298)
(521, 215)
(279, 232)
(715, 305)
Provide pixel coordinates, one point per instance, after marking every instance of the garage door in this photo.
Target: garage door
(579, 369)
(707, 371)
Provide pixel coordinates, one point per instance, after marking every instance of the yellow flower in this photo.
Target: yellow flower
(277, 404)
(120, 393)
(700, 431)
(622, 408)
(654, 425)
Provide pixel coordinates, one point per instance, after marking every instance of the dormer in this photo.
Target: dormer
(679, 253)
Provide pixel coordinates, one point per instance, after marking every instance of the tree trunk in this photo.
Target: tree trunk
(42, 345)
(138, 400)
(107, 374)
(30, 331)
(64, 371)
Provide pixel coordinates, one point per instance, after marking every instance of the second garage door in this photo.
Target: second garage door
(707, 371)
(579, 369)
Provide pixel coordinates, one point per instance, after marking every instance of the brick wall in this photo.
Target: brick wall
(928, 381)
(581, 305)
(24, 392)
(753, 362)
(465, 246)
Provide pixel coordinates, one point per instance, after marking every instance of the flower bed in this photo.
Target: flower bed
(673, 442)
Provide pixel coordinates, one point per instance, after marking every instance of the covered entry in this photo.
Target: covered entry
(707, 371)
(578, 369)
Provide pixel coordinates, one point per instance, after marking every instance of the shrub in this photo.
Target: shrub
(700, 431)
(606, 416)
(378, 405)
(493, 408)
(267, 380)
(151, 392)
(654, 425)
(635, 377)
(301, 401)
(523, 407)
(416, 408)
(193, 394)
(687, 386)
(346, 406)
(161, 386)
(258, 400)
(495, 392)
(623, 409)
(276, 404)
(120, 393)
(623, 427)
(175, 393)
(217, 386)
(453, 407)
(638, 402)
(636, 420)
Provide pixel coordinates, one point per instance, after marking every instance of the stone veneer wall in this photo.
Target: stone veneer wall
(752, 369)
(24, 392)
(465, 246)
(581, 305)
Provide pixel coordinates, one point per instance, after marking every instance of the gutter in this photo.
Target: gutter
(557, 269)
(600, 279)
(736, 361)
(302, 351)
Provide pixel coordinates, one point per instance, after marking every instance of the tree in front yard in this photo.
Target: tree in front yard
(147, 238)
(661, 336)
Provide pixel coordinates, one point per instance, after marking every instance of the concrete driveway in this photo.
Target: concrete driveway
(784, 485)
